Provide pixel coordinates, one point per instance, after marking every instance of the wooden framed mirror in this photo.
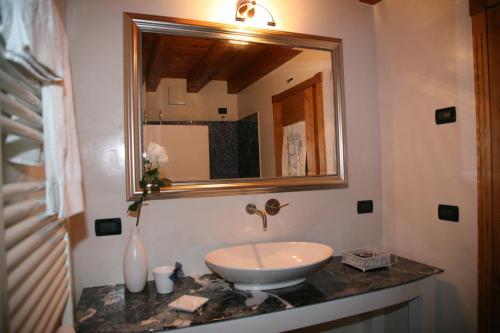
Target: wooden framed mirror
(238, 110)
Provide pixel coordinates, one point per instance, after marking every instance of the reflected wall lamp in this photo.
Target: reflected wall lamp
(246, 9)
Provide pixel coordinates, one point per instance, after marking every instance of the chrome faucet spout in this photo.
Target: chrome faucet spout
(264, 218)
(252, 209)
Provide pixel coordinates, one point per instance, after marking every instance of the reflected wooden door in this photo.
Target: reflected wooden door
(303, 102)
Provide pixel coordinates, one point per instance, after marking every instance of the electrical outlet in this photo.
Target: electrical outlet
(108, 227)
(448, 213)
(365, 206)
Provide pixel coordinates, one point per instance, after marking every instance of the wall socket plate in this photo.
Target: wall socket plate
(365, 206)
(448, 213)
(446, 115)
(108, 227)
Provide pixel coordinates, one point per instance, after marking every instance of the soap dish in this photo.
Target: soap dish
(366, 258)
(188, 303)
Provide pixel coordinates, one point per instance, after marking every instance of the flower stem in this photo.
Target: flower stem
(138, 215)
(143, 197)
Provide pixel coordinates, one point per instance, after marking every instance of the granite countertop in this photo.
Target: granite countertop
(113, 309)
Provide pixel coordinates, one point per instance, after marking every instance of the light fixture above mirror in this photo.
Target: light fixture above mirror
(247, 10)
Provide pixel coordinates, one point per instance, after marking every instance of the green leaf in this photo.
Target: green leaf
(134, 206)
(162, 182)
(149, 183)
(153, 173)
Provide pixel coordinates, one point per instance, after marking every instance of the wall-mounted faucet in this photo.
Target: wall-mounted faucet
(252, 209)
(273, 207)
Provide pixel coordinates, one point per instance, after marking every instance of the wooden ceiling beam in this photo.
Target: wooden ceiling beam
(263, 64)
(149, 57)
(370, 2)
(159, 55)
(214, 60)
(152, 82)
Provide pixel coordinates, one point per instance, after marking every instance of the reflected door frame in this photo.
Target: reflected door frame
(310, 92)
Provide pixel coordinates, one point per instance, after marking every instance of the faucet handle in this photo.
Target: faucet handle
(273, 206)
(251, 208)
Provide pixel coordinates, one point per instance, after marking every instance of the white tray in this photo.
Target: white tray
(366, 258)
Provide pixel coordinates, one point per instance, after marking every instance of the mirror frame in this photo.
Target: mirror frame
(135, 24)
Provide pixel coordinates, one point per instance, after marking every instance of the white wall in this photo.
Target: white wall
(258, 98)
(186, 229)
(202, 105)
(187, 150)
(424, 53)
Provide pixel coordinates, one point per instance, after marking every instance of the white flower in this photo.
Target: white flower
(156, 154)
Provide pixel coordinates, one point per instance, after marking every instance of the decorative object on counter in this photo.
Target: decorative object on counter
(366, 258)
(165, 277)
(188, 303)
(135, 261)
(163, 283)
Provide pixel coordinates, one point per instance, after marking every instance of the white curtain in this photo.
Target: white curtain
(34, 37)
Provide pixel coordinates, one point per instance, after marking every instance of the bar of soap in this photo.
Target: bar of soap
(188, 303)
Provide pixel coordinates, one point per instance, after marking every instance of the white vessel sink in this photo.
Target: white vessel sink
(265, 266)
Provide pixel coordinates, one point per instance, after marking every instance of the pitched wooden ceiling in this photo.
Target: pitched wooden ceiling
(200, 60)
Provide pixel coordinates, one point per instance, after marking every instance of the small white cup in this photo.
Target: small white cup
(164, 285)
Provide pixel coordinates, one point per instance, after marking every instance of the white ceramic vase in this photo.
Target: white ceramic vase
(135, 262)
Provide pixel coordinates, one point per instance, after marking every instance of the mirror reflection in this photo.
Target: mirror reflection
(226, 109)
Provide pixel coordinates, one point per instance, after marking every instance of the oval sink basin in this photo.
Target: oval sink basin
(265, 266)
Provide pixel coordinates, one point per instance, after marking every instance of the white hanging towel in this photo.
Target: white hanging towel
(30, 31)
(293, 157)
(35, 38)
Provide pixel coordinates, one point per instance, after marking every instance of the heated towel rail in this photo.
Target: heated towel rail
(34, 258)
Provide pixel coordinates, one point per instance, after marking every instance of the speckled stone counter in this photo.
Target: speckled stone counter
(112, 309)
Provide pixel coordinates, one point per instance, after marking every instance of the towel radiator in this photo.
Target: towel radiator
(35, 280)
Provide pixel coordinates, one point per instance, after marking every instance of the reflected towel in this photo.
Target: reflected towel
(293, 158)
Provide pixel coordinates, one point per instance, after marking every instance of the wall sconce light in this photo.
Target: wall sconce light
(247, 10)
